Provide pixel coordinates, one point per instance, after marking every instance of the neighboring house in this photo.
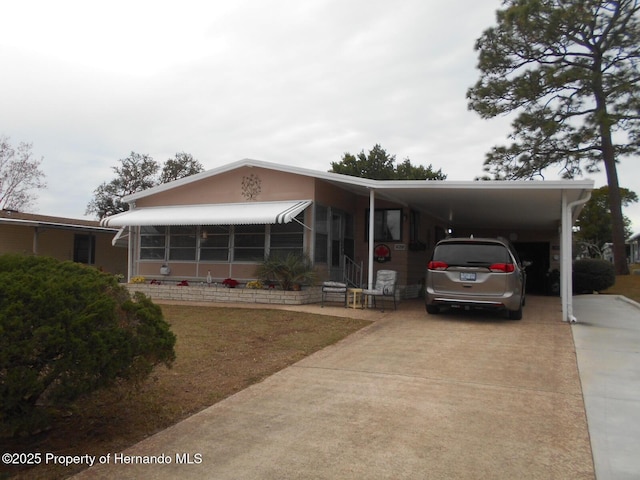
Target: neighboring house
(633, 245)
(631, 249)
(229, 219)
(607, 252)
(82, 241)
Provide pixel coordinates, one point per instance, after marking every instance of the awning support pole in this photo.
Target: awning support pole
(305, 226)
(132, 247)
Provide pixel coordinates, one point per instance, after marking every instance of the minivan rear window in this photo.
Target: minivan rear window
(467, 254)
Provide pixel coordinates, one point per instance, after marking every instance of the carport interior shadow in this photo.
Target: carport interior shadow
(472, 315)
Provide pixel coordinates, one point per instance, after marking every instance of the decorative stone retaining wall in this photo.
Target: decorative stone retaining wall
(214, 294)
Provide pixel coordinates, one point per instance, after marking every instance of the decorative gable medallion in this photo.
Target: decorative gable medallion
(251, 186)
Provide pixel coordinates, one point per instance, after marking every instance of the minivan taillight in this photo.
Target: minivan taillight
(503, 267)
(437, 265)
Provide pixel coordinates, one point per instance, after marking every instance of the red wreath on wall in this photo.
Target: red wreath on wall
(382, 253)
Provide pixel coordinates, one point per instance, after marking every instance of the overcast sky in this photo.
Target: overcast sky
(285, 81)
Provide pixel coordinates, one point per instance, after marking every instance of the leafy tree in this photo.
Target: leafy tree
(135, 173)
(407, 171)
(138, 172)
(569, 68)
(182, 165)
(66, 330)
(379, 165)
(19, 174)
(594, 221)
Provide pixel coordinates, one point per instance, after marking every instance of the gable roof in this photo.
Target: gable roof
(336, 178)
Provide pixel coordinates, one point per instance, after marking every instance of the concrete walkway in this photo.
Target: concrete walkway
(607, 340)
(412, 396)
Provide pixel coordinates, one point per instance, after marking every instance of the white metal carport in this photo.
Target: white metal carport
(505, 205)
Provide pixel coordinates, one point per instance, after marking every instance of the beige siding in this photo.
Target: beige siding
(329, 195)
(15, 239)
(109, 258)
(58, 243)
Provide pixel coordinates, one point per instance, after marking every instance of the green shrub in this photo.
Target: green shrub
(66, 330)
(289, 271)
(593, 275)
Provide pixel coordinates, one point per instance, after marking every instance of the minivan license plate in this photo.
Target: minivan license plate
(468, 276)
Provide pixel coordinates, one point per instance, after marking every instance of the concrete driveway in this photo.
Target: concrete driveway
(410, 397)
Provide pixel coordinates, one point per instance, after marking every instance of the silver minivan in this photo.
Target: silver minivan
(475, 273)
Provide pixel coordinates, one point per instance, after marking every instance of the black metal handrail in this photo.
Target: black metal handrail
(352, 274)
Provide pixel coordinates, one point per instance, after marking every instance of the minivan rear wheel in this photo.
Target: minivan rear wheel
(432, 309)
(516, 314)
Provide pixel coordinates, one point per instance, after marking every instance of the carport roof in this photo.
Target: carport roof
(470, 204)
(526, 205)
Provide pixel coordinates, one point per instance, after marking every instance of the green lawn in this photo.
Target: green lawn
(627, 285)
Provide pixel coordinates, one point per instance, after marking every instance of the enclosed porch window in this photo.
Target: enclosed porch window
(286, 238)
(182, 243)
(153, 240)
(214, 243)
(221, 243)
(249, 243)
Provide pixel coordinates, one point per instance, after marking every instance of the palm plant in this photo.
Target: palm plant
(289, 271)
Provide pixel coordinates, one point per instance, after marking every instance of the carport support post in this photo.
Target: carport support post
(372, 216)
(565, 265)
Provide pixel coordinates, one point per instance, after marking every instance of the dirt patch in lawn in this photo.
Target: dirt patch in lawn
(220, 351)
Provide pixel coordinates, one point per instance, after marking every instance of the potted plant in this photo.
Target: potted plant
(289, 272)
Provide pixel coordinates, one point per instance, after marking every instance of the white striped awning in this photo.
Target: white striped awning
(210, 214)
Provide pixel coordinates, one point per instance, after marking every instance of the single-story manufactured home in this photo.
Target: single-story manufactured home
(82, 241)
(227, 220)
